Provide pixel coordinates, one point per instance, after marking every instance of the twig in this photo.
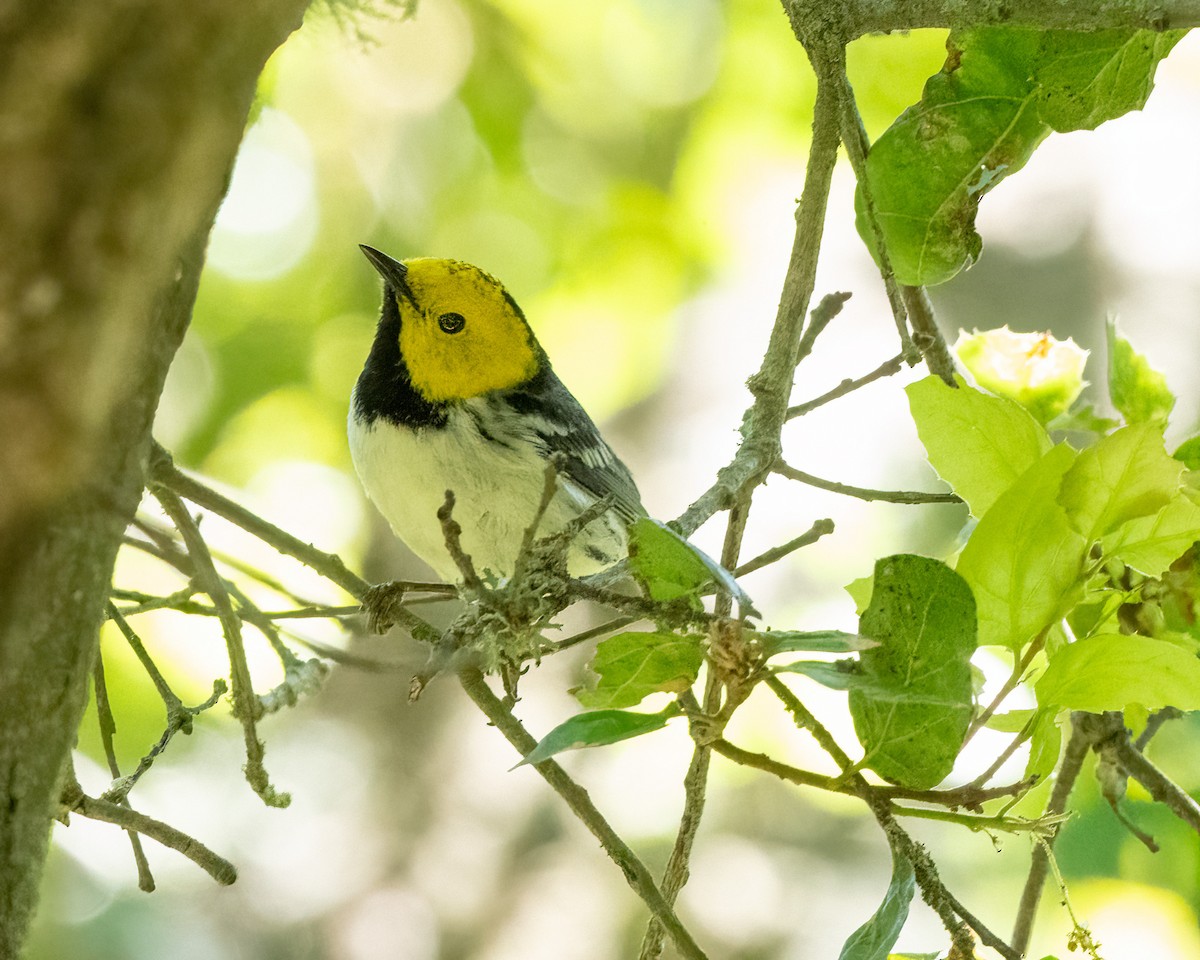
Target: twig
(695, 781)
(452, 532)
(967, 796)
(168, 696)
(886, 369)
(246, 706)
(771, 386)
(327, 565)
(760, 761)
(608, 626)
(1161, 787)
(863, 493)
(108, 728)
(1002, 758)
(819, 529)
(933, 891)
(636, 873)
(1068, 773)
(95, 808)
(178, 720)
(1014, 678)
(926, 334)
(822, 315)
(164, 472)
(854, 136)
(1153, 724)
(554, 463)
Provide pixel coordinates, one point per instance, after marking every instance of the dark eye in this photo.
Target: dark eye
(451, 322)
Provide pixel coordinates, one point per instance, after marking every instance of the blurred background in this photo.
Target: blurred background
(629, 169)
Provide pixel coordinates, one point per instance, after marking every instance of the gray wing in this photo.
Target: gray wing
(549, 411)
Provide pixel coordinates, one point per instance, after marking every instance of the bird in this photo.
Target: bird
(458, 395)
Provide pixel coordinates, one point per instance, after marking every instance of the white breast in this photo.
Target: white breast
(497, 487)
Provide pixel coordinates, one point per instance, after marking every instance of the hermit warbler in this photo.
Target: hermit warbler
(457, 394)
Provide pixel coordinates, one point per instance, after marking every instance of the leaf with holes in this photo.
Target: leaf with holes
(912, 718)
(999, 94)
(634, 665)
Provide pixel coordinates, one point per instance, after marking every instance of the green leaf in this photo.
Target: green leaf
(1024, 561)
(840, 675)
(1112, 670)
(1152, 544)
(976, 122)
(1084, 420)
(670, 567)
(875, 938)
(1188, 453)
(597, 728)
(912, 718)
(634, 665)
(1124, 476)
(860, 593)
(1013, 721)
(999, 93)
(1136, 389)
(810, 641)
(1045, 744)
(1088, 78)
(977, 443)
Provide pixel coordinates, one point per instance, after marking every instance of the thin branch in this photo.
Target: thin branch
(863, 493)
(851, 20)
(246, 706)
(760, 761)
(168, 696)
(1003, 757)
(608, 626)
(886, 369)
(933, 891)
(331, 567)
(967, 796)
(695, 781)
(452, 532)
(108, 728)
(927, 335)
(1068, 773)
(164, 472)
(178, 720)
(819, 529)
(1014, 678)
(771, 386)
(1154, 724)
(636, 873)
(1161, 787)
(94, 808)
(822, 315)
(854, 136)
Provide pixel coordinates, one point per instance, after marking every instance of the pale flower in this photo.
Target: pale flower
(1041, 373)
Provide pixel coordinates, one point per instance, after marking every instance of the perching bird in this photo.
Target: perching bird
(457, 394)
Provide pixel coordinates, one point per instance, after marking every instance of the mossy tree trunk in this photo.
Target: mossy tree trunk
(118, 129)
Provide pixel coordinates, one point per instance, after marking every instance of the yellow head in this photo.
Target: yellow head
(461, 335)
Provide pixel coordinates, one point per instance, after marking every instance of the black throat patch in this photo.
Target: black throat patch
(385, 389)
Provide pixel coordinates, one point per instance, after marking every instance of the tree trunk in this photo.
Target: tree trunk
(118, 129)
